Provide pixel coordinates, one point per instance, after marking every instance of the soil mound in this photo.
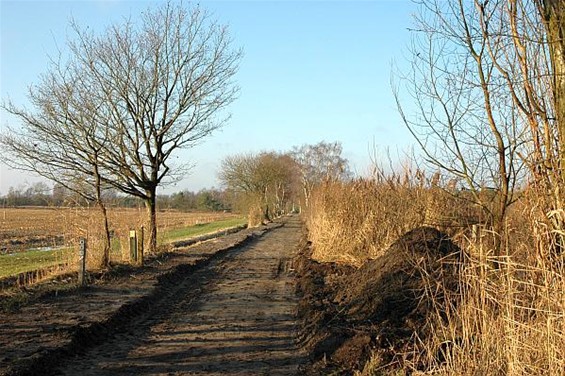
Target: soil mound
(397, 285)
(382, 305)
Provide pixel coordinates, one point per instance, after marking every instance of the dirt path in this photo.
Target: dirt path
(233, 317)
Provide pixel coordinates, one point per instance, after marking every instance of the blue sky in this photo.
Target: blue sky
(312, 71)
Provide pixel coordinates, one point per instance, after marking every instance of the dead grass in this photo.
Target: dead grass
(505, 321)
(353, 222)
(24, 228)
(356, 221)
(27, 227)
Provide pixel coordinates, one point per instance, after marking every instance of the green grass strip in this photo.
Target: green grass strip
(21, 262)
(201, 229)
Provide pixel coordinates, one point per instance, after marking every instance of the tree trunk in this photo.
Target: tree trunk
(499, 224)
(266, 213)
(554, 17)
(105, 262)
(555, 25)
(306, 195)
(150, 204)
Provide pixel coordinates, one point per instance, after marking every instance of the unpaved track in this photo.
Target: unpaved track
(233, 317)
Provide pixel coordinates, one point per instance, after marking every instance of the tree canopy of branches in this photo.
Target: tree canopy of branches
(320, 162)
(483, 82)
(267, 180)
(117, 111)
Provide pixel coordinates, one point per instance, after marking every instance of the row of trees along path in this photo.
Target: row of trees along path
(115, 112)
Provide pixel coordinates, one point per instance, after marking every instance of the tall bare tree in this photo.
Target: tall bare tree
(553, 16)
(61, 139)
(320, 162)
(481, 82)
(155, 86)
(267, 180)
(549, 113)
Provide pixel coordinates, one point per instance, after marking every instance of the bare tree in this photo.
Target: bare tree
(552, 14)
(267, 180)
(480, 80)
(546, 113)
(280, 171)
(155, 86)
(320, 162)
(61, 138)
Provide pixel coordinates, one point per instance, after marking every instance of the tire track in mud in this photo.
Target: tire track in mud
(233, 316)
(56, 324)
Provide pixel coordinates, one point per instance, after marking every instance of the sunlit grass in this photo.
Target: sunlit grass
(21, 262)
(201, 229)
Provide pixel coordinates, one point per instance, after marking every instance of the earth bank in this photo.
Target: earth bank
(350, 315)
(345, 315)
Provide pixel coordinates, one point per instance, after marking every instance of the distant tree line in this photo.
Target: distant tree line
(261, 185)
(205, 199)
(41, 194)
(269, 184)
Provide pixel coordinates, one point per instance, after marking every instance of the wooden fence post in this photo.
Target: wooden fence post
(82, 262)
(140, 247)
(132, 246)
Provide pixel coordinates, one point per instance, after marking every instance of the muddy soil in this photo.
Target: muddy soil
(250, 303)
(351, 315)
(211, 309)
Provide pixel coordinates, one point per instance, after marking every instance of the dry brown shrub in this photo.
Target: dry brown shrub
(508, 320)
(351, 222)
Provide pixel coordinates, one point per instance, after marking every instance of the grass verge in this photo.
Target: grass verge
(201, 229)
(21, 262)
